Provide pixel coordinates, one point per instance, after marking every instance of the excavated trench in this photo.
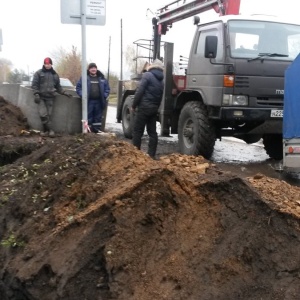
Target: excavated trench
(12, 149)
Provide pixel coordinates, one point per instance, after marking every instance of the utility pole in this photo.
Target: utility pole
(1, 39)
(108, 68)
(103, 122)
(83, 66)
(121, 74)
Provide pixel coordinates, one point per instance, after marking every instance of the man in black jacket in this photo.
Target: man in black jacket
(45, 85)
(146, 103)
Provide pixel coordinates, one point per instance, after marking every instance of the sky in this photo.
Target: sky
(32, 30)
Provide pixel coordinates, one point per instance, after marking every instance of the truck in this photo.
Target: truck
(234, 79)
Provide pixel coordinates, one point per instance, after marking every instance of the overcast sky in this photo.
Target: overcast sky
(32, 29)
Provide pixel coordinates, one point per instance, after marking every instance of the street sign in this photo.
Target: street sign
(1, 40)
(71, 12)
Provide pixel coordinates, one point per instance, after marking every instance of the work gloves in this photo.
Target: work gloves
(68, 95)
(37, 98)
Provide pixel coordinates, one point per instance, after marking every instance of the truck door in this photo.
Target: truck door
(201, 74)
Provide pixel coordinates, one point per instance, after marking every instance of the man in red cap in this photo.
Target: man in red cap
(45, 85)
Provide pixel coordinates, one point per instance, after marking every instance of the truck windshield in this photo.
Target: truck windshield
(262, 39)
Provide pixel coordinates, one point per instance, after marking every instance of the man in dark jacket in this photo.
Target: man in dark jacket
(146, 103)
(45, 85)
(97, 93)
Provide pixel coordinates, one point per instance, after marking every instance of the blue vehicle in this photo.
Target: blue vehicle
(291, 118)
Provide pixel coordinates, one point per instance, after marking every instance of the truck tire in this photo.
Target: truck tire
(127, 117)
(196, 133)
(273, 145)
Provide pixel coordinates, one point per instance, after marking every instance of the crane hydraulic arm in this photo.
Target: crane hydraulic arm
(168, 14)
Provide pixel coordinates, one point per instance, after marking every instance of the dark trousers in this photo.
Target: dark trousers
(145, 117)
(45, 109)
(94, 114)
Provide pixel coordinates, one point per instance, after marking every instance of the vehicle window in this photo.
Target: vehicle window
(249, 38)
(294, 45)
(200, 48)
(244, 42)
(65, 82)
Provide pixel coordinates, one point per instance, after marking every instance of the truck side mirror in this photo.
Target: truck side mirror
(211, 46)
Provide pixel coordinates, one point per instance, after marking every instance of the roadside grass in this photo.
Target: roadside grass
(112, 99)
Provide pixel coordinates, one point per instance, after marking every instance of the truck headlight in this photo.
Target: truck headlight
(240, 100)
(235, 100)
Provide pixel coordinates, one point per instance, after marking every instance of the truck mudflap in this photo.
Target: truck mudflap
(291, 155)
(268, 127)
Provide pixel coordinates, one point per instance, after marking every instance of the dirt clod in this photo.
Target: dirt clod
(12, 120)
(91, 217)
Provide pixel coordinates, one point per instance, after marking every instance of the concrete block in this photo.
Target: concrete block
(67, 112)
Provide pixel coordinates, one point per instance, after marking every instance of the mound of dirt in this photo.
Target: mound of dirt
(12, 120)
(91, 217)
(16, 138)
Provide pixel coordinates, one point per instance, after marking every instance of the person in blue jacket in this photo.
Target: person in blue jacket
(97, 93)
(146, 102)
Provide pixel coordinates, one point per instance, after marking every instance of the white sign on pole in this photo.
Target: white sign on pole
(71, 12)
(1, 40)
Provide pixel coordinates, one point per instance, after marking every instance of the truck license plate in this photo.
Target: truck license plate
(276, 113)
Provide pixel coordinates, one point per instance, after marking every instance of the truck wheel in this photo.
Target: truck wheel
(273, 145)
(127, 117)
(196, 133)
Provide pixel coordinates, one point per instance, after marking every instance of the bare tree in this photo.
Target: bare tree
(135, 61)
(5, 69)
(68, 64)
(113, 82)
(16, 76)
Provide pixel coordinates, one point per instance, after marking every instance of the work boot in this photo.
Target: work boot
(44, 133)
(51, 133)
(154, 157)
